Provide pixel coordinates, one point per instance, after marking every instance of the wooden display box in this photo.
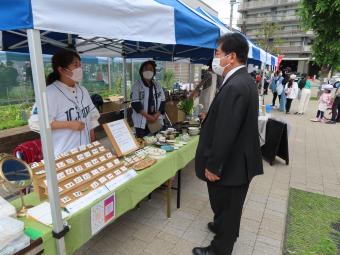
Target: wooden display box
(94, 153)
(110, 106)
(174, 114)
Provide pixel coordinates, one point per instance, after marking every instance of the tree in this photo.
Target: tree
(267, 37)
(323, 17)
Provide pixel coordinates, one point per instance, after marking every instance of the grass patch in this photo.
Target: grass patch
(313, 224)
(12, 115)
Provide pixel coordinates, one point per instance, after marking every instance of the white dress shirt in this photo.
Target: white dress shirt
(230, 73)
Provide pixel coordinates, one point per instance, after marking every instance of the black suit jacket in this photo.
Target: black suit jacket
(229, 144)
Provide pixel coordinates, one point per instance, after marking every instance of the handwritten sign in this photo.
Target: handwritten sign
(121, 137)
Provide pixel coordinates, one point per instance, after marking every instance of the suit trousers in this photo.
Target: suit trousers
(226, 203)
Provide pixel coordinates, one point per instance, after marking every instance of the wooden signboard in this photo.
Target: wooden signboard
(121, 137)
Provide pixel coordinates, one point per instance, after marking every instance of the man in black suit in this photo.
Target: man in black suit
(228, 155)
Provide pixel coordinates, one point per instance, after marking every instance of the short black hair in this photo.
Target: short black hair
(149, 62)
(235, 42)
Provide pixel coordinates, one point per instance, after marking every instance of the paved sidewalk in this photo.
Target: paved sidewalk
(314, 166)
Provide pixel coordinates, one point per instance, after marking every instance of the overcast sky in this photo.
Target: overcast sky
(223, 9)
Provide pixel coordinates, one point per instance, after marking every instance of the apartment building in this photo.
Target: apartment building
(296, 43)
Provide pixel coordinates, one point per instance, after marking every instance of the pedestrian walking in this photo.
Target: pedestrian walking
(336, 106)
(325, 101)
(275, 83)
(291, 92)
(305, 87)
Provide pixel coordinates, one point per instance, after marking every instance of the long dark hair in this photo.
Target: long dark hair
(62, 59)
(290, 83)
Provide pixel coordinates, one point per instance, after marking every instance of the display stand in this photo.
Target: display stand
(276, 142)
(121, 137)
(79, 172)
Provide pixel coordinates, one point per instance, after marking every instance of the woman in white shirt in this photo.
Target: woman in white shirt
(291, 91)
(147, 101)
(72, 114)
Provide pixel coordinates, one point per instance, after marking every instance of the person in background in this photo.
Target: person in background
(147, 101)
(71, 112)
(258, 79)
(325, 101)
(267, 82)
(336, 106)
(253, 75)
(283, 98)
(291, 92)
(273, 87)
(207, 88)
(305, 87)
(228, 154)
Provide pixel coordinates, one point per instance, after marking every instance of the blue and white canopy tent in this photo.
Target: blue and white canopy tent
(122, 26)
(255, 52)
(113, 21)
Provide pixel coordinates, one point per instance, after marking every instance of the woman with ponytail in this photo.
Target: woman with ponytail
(291, 91)
(72, 114)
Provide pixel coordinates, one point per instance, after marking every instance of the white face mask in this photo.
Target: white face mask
(77, 74)
(148, 75)
(216, 65)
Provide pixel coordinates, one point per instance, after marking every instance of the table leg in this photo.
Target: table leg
(179, 189)
(168, 198)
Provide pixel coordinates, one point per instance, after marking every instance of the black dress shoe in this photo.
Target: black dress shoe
(212, 227)
(203, 251)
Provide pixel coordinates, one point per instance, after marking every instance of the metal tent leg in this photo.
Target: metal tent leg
(34, 43)
(125, 88)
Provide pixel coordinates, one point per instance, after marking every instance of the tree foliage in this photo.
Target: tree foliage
(267, 39)
(323, 17)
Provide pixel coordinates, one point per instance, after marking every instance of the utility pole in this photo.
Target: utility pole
(232, 2)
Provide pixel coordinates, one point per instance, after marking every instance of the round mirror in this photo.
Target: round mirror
(15, 174)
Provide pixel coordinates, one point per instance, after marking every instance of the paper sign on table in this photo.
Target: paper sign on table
(121, 137)
(102, 213)
(87, 199)
(121, 179)
(42, 213)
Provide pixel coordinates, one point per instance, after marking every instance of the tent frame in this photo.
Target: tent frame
(34, 44)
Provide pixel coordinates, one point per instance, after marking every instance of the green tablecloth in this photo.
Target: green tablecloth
(127, 197)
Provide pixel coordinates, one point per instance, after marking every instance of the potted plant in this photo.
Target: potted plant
(186, 105)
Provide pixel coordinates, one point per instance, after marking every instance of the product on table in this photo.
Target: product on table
(145, 163)
(80, 171)
(156, 153)
(10, 229)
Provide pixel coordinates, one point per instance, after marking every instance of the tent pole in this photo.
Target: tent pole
(190, 76)
(109, 74)
(263, 77)
(34, 43)
(125, 88)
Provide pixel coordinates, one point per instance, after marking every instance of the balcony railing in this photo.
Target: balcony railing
(274, 19)
(294, 49)
(284, 34)
(265, 4)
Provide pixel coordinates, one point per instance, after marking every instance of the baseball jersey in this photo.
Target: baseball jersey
(68, 104)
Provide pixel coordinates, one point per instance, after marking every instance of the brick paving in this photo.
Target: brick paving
(314, 166)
